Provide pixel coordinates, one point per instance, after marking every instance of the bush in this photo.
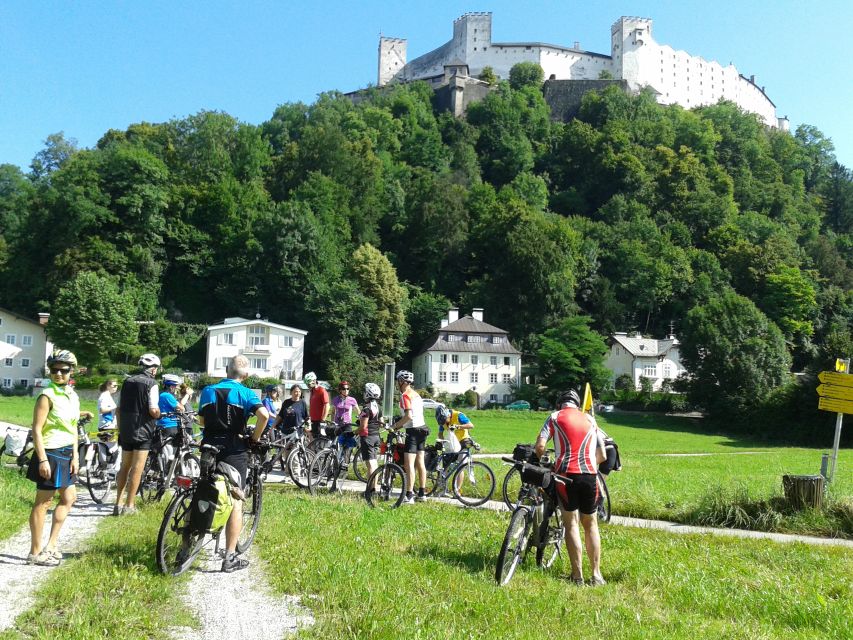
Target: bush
(624, 382)
(17, 390)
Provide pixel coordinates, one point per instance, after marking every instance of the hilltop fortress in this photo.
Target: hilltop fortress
(635, 61)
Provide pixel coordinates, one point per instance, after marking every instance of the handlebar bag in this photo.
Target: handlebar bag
(523, 452)
(537, 476)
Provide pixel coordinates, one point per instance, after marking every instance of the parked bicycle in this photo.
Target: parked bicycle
(471, 482)
(170, 456)
(100, 461)
(536, 521)
(298, 458)
(386, 486)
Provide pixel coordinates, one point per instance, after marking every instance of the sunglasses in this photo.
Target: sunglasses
(63, 371)
(344, 388)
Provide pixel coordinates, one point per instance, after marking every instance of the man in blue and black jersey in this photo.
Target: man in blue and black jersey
(224, 409)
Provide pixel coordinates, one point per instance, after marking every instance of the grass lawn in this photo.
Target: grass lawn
(19, 409)
(111, 590)
(16, 499)
(427, 572)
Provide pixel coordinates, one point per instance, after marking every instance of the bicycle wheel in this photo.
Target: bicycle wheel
(99, 480)
(359, 466)
(511, 488)
(473, 483)
(603, 500)
(386, 487)
(514, 545)
(177, 544)
(298, 463)
(251, 512)
(149, 483)
(323, 473)
(551, 535)
(318, 444)
(435, 487)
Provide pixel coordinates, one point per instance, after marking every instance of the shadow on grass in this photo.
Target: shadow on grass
(475, 562)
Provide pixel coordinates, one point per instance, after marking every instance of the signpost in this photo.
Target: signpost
(836, 394)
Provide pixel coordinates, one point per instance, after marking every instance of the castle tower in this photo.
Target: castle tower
(392, 59)
(628, 36)
(472, 35)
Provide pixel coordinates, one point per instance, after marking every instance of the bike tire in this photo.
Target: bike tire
(551, 535)
(511, 488)
(473, 483)
(177, 545)
(318, 444)
(514, 545)
(434, 483)
(251, 513)
(298, 463)
(99, 481)
(147, 483)
(603, 500)
(386, 487)
(359, 466)
(323, 473)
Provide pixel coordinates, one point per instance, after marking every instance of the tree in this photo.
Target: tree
(572, 354)
(734, 354)
(488, 76)
(57, 150)
(526, 74)
(92, 319)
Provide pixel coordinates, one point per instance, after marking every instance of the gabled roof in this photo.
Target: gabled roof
(465, 326)
(242, 322)
(468, 324)
(648, 347)
(18, 316)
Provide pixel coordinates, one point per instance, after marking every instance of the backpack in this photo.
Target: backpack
(211, 505)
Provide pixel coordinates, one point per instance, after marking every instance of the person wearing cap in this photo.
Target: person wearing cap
(139, 410)
(270, 400)
(53, 466)
(169, 403)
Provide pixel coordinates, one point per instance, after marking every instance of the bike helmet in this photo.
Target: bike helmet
(170, 379)
(62, 356)
(569, 397)
(270, 388)
(372, 391)
(407, 376)
(442, 415)
(148, 360)
(310, 377)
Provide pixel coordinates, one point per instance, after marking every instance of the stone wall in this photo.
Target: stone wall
(564, 96)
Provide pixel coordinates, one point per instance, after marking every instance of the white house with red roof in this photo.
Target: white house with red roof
(469, 354)
(639, 357)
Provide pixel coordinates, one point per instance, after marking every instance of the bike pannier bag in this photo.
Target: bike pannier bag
(16, 439)
(453, 445)
(523, 452)
(211, 505)
(537, 476)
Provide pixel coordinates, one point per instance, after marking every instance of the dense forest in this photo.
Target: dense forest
(362, 223)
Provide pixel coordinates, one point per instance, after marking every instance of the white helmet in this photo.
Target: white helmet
(372, 391)
(171, 378)
(148, 360)
(408, 376)
(310, 377)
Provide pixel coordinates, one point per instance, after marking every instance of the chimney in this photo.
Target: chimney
(638, 335)
(453, 315)
(577, 45)
(443, 322)
(43, 318)
(477, 314)
(752, 79)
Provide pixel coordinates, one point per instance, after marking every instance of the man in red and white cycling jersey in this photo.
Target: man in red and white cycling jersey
(579, 449)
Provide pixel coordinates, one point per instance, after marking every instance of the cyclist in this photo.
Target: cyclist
(345, 407)
(293, 412)
(412, 407)
(318, 403)
(139, 410)
(456, 423)
(224, 409)
(270, 399)
(54, 464)
(369, 423)
(578, 449)
(168, 403)
(107, 405)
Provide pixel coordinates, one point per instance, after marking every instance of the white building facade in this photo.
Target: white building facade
(639, 357)
(273, 350)
(30, 337)
(469, 354)
(676, 77)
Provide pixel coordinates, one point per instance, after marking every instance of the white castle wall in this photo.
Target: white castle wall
(676, 76)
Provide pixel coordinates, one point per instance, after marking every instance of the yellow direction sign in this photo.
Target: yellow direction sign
(840, 379)
(834, 391)
(833, 404)
(842, 365)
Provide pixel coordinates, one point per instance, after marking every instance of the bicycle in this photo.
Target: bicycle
(170, 457)
(386, 486)
(102, 462)
(298, 460)
(535, 520)
(330, 465)
(260, 464)
(472, 482)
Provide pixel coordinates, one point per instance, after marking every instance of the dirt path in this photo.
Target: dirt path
(18, 580)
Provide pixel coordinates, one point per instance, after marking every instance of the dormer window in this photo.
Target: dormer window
(452, 337)
(475, 338)
(497, 339)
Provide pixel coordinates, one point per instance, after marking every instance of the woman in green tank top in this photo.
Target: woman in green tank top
(53, 466)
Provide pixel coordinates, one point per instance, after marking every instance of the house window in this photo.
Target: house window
(25, 362)
(493, 397)
(10, 338)
(26, 341)
(257, 363)
(285, 341)
(452, 337)
(507, 398)
(454, 376)
(493, 378)
(650, 370)
(443, 358)
(287, 369)
(7, 382)
(497, 339)
(258, 336)
(506, 378)
(454, 358)
(24, 382)
(225, 338)
(8, 362)
(507, 361)
(475, 359)
(667, 370)
(220, 363)
(442, 376)
(474, 377)
(475, 338)
(493, 360)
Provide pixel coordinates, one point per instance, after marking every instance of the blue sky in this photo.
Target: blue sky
(84, 67)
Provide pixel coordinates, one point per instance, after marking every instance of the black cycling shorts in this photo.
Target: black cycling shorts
(369, 447)
(581, 494)
(234, 452)
(315, 428)
(416, 439)
(138, 440)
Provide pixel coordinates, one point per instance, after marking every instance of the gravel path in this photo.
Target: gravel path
(18, 580)
(239, 605)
